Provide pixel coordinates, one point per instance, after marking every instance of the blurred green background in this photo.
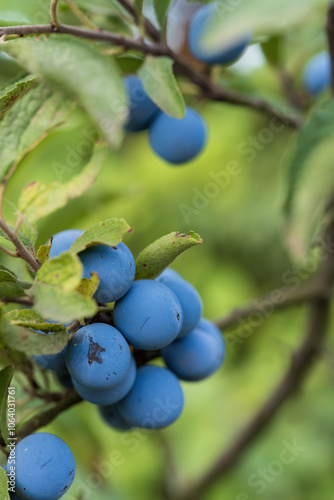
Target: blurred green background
(243, 255)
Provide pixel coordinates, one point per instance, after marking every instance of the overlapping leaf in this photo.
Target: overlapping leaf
(162, 252)
(73, 67)
(10, 94)
(108, 232)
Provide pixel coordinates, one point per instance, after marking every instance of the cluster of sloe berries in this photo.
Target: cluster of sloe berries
(41, 467)
(162, 315)
(178, 141)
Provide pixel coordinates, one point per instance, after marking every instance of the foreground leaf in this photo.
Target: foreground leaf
(160, 254)
(55, 290)
(160, 84)
(10, 286)
(161, 8)
(81, 73)
(317, 129)
(26, 124)
(6, 375)
(30, 319)
(38, 200)
(259, 16)
(3, 485)
(10, 94)
(108, 232)
(88, 287)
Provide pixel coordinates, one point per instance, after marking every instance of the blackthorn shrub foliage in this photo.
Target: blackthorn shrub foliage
(120, 332)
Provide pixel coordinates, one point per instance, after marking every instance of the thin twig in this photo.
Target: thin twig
(275, 300)
(209, 90)
(330, 39)
(300, 365)
(21, 249)
(54, 13)
(8, 252)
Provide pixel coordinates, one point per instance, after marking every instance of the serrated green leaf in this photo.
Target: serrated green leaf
(81, 73)
(43, 253)
(161, 8)
(108, 232)
(31, 342)
(260, 16)
(10, 94)
(38, 200)
(55, 290)
(160, 85)
(162, 252)
(317, 129)
(10, 287)
(6, 375)
(4, 495)
(88, 287)
(30, 319)
(26, 124)
(64, 271)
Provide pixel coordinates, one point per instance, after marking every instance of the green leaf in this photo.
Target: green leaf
(272, 49)
(160, 85)
(10, 286)
(10, 94)
(139, 6)
(88, 287)
(43, 253)
(108, 232)
(259, 16)
(3, 485)
(162, 252)
(75, 68)
(31, 342)
(105, 7)
(317, 129)
(13, 17)
(6, 375)
(28, 121)
(30, 319)
(64, 271)
(27, 233)
(55, 290)
(161, 8)
(38, 200)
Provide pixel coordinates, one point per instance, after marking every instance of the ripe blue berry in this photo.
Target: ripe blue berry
(112, 416)
(45, 467)
(115, 267)
(155, 401)
(109, 396)
(63, 241)
(98, 356)
(178, 140)
(198, 355)
(221, 54)
(317, 73)
(189, 299)
(142, 109)
(149, 315)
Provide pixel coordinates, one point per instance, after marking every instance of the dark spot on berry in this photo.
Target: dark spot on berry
(94, 352)
(178, 316)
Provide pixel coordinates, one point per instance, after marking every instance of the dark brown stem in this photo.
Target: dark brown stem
(300, 365)
(209, 90)
(22, 252)
(152, 32)
(330, 38)
(69, 399)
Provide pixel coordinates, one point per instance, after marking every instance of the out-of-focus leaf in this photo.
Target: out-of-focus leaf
(55, 290)
(272, 49)
(88, 287)
(6, 375)
(38, 200)
(161, 86)
(27, 123)
(108, 232)
(81, 73)
(259, 16)
(12, 18)
(3, 482)
(162, 252)
(10, 94)
(10, 286)
(161, 8)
